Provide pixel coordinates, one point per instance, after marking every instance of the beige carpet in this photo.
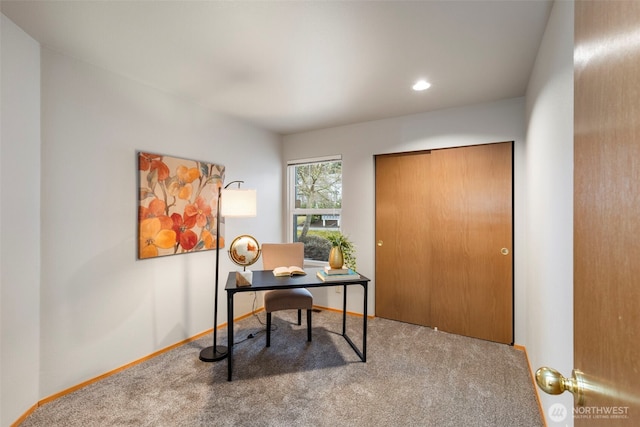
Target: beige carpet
(414, 376)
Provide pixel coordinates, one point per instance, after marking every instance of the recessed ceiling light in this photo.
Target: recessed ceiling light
(421, 85)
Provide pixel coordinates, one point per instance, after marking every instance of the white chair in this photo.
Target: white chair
(285, 255)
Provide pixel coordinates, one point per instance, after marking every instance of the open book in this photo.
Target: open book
(288, 271)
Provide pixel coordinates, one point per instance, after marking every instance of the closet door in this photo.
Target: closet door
(472, 237)
(403, 197)
(444, 240)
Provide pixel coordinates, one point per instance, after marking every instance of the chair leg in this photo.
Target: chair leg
(299, 317)
(268, 329)
(308, 325)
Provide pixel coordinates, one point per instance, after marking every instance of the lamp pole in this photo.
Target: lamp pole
(216, 352)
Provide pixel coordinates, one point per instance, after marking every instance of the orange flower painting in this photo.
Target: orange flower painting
(177, 205)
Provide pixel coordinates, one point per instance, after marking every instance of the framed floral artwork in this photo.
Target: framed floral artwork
(177, 205)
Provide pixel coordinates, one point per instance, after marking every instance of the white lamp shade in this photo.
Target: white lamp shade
(238, 203)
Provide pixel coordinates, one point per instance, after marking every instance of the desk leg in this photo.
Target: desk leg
(361, 354)
(344, 310)
(364, 325)
(229, 335)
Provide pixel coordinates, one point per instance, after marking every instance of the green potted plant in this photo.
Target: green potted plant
(343, 251)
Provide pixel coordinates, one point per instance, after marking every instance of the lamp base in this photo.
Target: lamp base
(211, 354)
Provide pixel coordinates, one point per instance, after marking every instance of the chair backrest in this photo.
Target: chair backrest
(282, 255)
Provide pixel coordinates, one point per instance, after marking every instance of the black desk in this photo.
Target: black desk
(264, 280)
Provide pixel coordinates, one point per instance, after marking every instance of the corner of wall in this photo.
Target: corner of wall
(19, 222)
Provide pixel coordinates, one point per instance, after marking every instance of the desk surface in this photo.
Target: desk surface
(265, 280)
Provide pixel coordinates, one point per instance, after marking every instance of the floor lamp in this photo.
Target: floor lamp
(231, 203)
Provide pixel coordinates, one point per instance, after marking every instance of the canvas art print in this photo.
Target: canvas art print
(177, 205)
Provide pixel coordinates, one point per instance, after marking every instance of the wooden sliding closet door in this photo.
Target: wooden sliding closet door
(444, 240)
(471, 233)
(403, 197)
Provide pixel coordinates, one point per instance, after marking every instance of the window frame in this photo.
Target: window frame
(291, 210)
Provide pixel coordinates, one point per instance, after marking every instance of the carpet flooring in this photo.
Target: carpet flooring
(414, 376)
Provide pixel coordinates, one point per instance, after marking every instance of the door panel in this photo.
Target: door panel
(471, 227)
(442, 219)
(607, 207)
(403, 190)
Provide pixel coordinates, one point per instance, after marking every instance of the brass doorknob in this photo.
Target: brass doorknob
(552, 382)
(379, 243)
(504, 251)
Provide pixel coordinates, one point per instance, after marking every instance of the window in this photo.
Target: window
(315, 204)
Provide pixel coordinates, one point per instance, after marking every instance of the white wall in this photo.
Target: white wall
(102, 307)
(76, 302)
(19, 222)
(549, 164)
(478, 124)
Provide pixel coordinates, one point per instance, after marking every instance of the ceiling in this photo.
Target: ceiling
(293, 66)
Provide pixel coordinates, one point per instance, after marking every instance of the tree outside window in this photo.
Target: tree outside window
(316, 205)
